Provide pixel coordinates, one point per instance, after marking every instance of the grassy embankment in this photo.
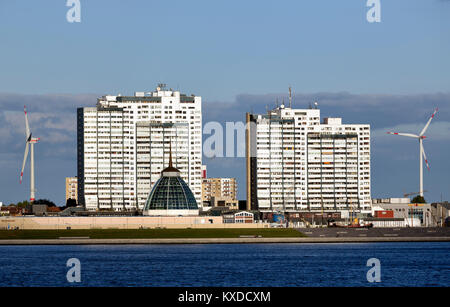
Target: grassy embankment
(148, 233)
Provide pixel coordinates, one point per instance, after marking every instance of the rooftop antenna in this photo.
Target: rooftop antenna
(316, 104)
(161, 86)
(290, 97)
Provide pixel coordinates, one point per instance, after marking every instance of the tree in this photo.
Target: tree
(418, 200)
(44, 202)
(71, 202)
(23, 204)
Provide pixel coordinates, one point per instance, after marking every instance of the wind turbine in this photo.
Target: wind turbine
(30, 141)
(420, 137)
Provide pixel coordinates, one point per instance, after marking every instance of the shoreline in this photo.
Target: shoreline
(69, 241)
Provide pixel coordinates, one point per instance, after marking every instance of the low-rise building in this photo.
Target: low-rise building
(231, 204)
(242, 217)
(12, 211)
(391, 222)
(441, 212)
(53, 211)
(39, 209)
(402, 208)
(4, 211)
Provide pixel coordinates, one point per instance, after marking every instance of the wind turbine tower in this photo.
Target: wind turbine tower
(30, 141)
(420, 137)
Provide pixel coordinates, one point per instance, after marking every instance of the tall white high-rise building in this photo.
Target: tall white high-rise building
(123, 145)
(297, 163)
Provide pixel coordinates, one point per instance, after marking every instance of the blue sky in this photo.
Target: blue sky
(238, 55)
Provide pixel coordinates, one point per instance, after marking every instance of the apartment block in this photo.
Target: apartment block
(295, 162)
(72, 188)
(123, 144)
(219, 187)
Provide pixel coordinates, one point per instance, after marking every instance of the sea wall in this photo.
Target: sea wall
(121, 222)
(79, 241)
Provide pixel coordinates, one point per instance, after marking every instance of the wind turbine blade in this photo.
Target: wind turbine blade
(404, 134)
(24, 160)
(429, 122)
(27, 126)
(425, 157)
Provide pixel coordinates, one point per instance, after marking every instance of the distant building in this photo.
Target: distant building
(72, 188)
(44, 210)
(238, 218)
(391, 222)
(123, 145)
(220, 192)
(53, 210)
(39, 209)
(296, 163)
(402, 208)
(4, 210)
(244, 218)
(441, 212)
(232, 204)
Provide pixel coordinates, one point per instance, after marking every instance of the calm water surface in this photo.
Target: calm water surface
(402, 264)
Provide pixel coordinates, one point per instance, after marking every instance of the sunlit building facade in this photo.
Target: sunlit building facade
(295, 162)
(123, 144)
(219, 187)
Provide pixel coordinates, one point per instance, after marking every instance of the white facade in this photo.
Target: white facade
(298, 163)
(152, 156)
(123, 144)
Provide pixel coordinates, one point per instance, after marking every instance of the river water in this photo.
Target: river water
(252, 265)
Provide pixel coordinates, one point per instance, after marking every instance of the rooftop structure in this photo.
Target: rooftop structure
(171, 196)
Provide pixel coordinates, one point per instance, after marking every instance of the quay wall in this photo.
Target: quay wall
(119, 222)
(218, 241)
